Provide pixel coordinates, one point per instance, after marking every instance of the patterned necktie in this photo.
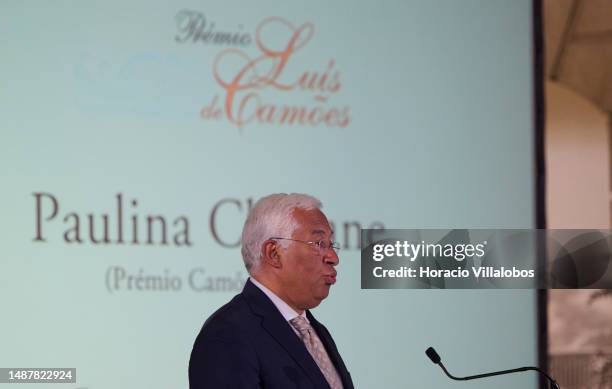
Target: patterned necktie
(317, 351)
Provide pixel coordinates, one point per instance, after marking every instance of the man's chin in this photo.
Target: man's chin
(324, 293)
(317, 300)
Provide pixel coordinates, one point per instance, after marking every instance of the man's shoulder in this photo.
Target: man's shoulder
(229, 321)
(223, 354)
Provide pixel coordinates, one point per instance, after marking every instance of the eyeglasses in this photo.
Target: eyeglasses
(322, 245)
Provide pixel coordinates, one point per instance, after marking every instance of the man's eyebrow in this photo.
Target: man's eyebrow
(321, 232)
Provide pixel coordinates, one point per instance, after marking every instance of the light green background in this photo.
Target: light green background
(97, 98)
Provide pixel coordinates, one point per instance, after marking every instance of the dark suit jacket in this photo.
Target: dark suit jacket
(248, 344)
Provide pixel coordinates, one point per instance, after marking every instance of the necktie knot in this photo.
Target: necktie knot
(300, 324)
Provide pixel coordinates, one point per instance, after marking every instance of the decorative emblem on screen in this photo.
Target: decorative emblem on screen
(284, 78)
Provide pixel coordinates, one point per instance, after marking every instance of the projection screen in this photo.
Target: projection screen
(136, 136)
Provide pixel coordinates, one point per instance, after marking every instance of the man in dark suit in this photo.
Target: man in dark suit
(266, 337)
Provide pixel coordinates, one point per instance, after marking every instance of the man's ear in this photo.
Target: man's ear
(270, 253)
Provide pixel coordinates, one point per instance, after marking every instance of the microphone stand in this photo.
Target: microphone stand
(435, 358)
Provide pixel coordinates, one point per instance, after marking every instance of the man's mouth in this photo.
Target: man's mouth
(330, 278)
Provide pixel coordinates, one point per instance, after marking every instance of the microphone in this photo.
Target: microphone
(435, 358)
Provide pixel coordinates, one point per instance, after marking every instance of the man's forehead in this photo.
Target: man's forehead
(312, 221)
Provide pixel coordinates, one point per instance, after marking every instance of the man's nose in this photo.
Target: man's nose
(331, 257)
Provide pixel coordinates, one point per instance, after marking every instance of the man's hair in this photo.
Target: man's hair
(271, 216)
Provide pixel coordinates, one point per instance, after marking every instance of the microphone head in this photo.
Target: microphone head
(433, 355)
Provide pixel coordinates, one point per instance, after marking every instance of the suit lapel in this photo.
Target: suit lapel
(278, 328)
(332, 351)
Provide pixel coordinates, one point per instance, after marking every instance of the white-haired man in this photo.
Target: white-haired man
(265, 337)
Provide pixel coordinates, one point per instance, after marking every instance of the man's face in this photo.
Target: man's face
(307, 271)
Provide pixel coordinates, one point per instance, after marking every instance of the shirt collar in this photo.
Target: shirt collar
(284, 308)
